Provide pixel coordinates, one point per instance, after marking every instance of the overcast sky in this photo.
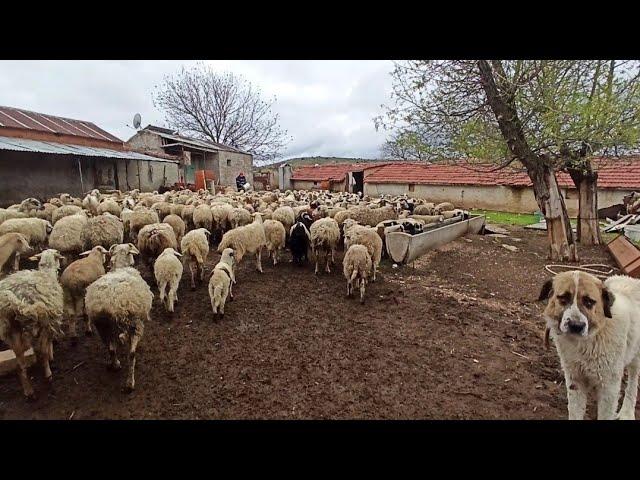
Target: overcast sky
(326, 106)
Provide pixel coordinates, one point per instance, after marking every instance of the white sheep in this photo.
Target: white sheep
(195, 248)
(284, 215)
(118, 304)
(356, 267)
(177, 224)
(168, 271)
(355, 234)
(239, 217)
(221, 282)
(203, 217)
(68, 234)
(248, 239)
(6, 214)
(35, 230)
(109, 205)
(105, 230)
(324, 237)
(74, 280)
(91, 201)
(65, 211)
(31, 308)
(154, 238)
(12, 245)
(275, 236)
(137, 219)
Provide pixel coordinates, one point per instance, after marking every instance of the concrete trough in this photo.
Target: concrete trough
(405, 248)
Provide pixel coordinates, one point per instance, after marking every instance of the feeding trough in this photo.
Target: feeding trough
(405, 248)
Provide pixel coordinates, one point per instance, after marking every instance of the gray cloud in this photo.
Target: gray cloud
(326, 106)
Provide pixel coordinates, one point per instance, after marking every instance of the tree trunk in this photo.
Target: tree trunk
(562, 245)
(588, 224)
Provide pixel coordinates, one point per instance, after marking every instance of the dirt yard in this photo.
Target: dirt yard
(457, 337)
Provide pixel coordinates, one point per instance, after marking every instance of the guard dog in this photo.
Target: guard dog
(595, 327)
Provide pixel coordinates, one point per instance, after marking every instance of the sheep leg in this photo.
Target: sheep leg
(16, 262)
(363, 284)
(18, 347)
(201, 270)
(231, 291)
(114, 364)
(193, 280)
(259, 259)
(172, 296)
(326, 262)
(214, 307)
(348, 288)
(135, 338)
(162, 287)
(316, 271)
(44, 352)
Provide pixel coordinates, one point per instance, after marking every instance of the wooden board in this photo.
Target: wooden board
(8, 361)
(626, 255)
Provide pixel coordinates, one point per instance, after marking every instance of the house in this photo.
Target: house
(194, 154)
(339, 177)
(44, 155)
(508, 189)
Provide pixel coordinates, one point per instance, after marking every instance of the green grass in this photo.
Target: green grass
(507, 218)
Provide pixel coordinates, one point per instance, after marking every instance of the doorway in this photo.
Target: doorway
(358, 178)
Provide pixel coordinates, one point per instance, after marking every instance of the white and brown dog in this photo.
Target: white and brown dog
(595, 326)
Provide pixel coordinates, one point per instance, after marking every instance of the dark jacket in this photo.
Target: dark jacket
(240, 181)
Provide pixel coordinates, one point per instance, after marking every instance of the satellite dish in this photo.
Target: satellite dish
(137, 120)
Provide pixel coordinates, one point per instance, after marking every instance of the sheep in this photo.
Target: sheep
(6, 214)
(35, 230)
(154, 238)
(247, 239)
(177, 224)
(91, 201)
(195, 248)
(74, 280)
(221, 214)
(122, 255)
(47, 212)
(138, 219)
(299, 238)
(355, 234)
(286, 216)
(239, 217)
(356, 267)
(67, 199)
(176, 209)
(31, 308)
(68, 234)
(167, 270)
(203, 217)
(118, 304)
(373, 216)
(65, 211)
(105, 230)
(441, 207)
(427, 219)
(275, 236)
(162, 209)
(324, 236)
(30, 206)
(109, 205)
(221, 282)
(425, 209)
(446, 214)
(12, 245)
(187, 216)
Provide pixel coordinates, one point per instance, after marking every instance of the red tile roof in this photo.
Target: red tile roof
(334, 172)
(25, 120)
(612, 173)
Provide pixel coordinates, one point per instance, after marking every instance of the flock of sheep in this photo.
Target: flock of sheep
(171, 231)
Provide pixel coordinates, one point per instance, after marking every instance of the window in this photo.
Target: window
(412, 187)
(315, 183)
(228, 162)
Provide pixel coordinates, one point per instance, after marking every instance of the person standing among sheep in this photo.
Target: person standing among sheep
(240, 181)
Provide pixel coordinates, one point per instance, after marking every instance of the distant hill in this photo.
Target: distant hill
(296, 162)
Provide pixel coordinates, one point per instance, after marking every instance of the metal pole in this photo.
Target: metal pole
(80, 170)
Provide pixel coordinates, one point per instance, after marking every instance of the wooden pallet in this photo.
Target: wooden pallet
(626, 255)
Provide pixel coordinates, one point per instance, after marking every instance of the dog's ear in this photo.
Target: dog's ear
(547, 288)
(607, 301)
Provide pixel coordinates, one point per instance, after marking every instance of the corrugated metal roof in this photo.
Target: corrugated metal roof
(203, 144)
(26, 120)
(622, 173)
(23, 145)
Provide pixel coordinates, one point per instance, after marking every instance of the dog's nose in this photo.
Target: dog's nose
(576, 326)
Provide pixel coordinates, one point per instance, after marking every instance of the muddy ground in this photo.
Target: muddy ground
(457, 337)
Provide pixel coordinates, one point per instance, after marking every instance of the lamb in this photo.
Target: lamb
(111, 206)
(221, 282)
(355, 234)
(247, 239)
(35, 230)
(168, 271)
(104, 230)
(154, 238)
(138, 219)
(74, 280)
(177, 224)
(31, 307)
(441, 207)
(275, 236)
(12, 245)
(324, 236)
(195, 248)
(356, 267)
(91, 201)
(68, 234)
(118, 304)
(65, 211)
(299, 241)
(203, 217)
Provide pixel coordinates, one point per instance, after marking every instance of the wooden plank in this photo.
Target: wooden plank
(8, 362)
(626, 255)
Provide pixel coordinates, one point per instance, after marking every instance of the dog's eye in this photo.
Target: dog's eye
(588, 302)
(564, 298)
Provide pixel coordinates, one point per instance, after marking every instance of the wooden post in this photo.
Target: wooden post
(80, 170)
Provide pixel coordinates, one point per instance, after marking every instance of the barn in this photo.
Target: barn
(44, 155)
(340, 177)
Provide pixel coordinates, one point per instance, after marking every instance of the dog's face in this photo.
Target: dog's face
(579, 304)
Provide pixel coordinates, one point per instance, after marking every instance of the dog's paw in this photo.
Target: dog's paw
(625, 415)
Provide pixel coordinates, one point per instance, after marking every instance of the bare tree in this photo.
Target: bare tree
(537, 115)
(224, 108)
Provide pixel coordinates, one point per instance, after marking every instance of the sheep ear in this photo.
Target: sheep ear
(177, 253)
(84, 254)
(133, 249)
(111, 248)
(35, 257)
(102, 249)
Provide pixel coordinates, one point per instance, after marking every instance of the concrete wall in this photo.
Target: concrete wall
(501, 198)
(309, 185)
(146, 140)
(152, 175)
(230, 164)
